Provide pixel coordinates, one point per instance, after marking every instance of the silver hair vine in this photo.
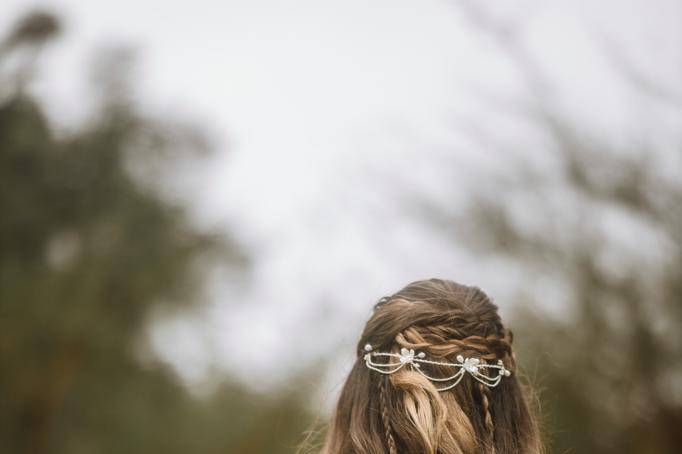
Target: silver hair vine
(472, 366)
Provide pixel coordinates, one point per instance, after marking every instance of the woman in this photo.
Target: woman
(435, 373)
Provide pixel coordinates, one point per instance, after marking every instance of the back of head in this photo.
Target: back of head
(415, 409)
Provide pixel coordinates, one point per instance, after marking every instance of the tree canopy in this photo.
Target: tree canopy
(88, 250)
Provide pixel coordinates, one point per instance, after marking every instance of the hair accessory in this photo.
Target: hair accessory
(474, 366)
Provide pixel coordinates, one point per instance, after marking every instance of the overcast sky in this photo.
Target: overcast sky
(330, 116)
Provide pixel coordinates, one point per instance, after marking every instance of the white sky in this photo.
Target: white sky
(332, 116)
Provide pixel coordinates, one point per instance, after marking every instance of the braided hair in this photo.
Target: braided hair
(404, 412)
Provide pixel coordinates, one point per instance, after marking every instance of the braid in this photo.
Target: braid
(490, 348)
(487, 417)
(385, 418)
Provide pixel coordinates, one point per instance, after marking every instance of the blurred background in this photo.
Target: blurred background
(200, 202)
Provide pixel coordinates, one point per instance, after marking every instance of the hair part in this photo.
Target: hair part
(404, 412)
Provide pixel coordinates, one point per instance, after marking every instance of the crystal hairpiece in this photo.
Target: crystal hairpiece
(473, 366)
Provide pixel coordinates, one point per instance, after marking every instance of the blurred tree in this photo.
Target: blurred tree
(602, 226)
(609, 358)
(87, 250)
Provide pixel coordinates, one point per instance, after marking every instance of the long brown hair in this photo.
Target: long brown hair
(404, 412)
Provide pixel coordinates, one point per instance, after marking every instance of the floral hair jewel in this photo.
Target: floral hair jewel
(473, 366)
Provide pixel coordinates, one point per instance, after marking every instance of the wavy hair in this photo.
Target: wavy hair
(404, 412)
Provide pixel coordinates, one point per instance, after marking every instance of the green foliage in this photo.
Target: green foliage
(601, 229)
(608, 360)
(88, 250)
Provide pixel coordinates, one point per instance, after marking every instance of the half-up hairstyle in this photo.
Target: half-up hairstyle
(404, 412)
